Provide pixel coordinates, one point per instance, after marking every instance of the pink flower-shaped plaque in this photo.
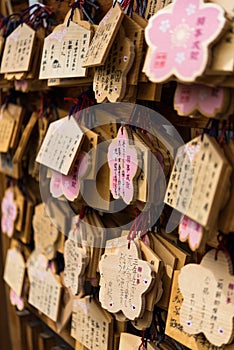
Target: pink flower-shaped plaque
(68, 185)
(179, 36)
(191, 231)
(9, 212)
(204, 99)
(123, 163)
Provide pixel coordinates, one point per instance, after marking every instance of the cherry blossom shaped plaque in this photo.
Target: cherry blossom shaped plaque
(208, 298)
(179, 36)
(190, 231)
(68, 185)
(209, 101)
(123, 162)
(9, 212)
(125, 278)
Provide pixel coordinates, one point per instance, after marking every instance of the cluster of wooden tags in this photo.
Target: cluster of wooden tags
(106, 60)
(17, 128)
(21, 58)
(133, 278)
(40, 286)
(71, 153)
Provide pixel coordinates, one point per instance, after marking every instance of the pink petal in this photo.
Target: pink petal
(3, 224)
(56, 184)
(195, 238)
(213, 100)
(20, 304)
(183, 235)
(185, 99)
(7, 226)
(153, 35)
(214, 23)
(183, 228)
(192, 68)
(70, 185)
(12, 211)
(160, 65)
(4, 205)
(13, 297)
(10, 228)
(180, 7)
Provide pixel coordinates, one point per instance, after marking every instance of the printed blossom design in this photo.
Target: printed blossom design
(9, 212)
(165, 25)
(204, 99)
(180, 57)
(191, 9)
(178, 37)
(68, 185)
(191, 231)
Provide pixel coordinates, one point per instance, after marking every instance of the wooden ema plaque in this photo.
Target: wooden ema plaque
(61, 145)
(7, 125)
(104, 37)
(45, 287)
(124, 165)
(200, 172)
(170, 260)
(149, 173)
(76, 260)
(175, 330)
(135, 33)
(45, 233)
(64, 51)
(125, 278)
(179, 37)
(208, 293)
(91, 325)
(18, 50)
(10, 122)
(129, 341)
(65, 310)
(14, 271)
(93, 237)
(110, 80)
